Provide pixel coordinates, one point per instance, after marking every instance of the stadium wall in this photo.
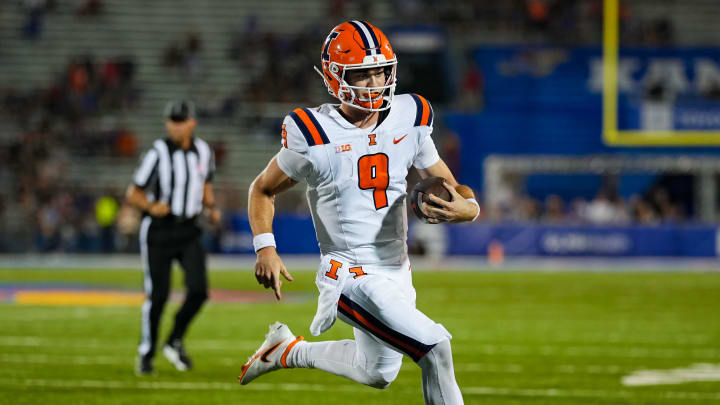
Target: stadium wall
(548, 100)
(296, 235)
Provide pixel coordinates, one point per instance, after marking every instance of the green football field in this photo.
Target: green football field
(519, 338)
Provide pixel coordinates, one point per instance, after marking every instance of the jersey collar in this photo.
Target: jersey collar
(335, 115)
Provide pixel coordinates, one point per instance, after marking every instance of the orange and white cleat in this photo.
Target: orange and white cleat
(271, 355)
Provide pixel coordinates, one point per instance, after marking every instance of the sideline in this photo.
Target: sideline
(480, 391)
(451, 263)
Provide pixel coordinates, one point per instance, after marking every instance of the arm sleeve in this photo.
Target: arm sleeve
(427, 153)
(294, 157)
(148, 167)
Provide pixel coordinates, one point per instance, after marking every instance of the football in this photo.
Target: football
(419, 194)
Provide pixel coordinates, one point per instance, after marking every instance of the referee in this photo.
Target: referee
(171, 187)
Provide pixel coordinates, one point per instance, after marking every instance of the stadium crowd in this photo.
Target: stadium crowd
(77, 115)
(73, 117)
(606, 208)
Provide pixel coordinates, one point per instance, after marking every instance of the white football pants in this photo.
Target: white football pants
(380, 306)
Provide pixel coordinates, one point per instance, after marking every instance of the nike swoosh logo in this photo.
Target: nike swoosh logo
(396, 141)
(269, 350)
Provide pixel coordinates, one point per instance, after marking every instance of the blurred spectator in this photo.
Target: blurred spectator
(537, 14)
(473, 85)
(106, 209)
(450, 150)
(173, 56)
(408, 10)
(35, 11)
(554, 210)
(126, 143)
(90, 8)
(601, 209)
(193, 49)
(642, 212)
(661, 204)
(185, 55)
(39, 208)
(337, 10)
(605, 209)
(529, 209)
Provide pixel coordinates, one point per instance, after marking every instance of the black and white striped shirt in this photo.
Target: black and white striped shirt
(175, 176)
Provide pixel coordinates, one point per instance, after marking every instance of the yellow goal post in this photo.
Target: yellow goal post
(611, 134)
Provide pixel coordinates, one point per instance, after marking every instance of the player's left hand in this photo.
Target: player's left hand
(457, 210)
(214, 215)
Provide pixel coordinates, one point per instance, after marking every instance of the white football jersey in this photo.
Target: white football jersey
(356, 178)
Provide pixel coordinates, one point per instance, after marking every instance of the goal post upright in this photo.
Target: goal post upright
(612, 136)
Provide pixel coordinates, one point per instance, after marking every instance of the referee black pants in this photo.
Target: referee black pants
(159, 246)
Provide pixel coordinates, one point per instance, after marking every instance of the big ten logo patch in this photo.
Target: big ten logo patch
(343, 148)
(284, 136)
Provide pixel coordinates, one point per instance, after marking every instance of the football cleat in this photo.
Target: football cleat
(175, 353)
(144, 366)
(271, 355)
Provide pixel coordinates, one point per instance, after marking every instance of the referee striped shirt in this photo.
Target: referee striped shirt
(177, 177)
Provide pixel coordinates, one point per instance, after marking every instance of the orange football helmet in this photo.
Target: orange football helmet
(358, 45)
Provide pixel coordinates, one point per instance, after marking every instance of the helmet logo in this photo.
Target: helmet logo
(330, 38)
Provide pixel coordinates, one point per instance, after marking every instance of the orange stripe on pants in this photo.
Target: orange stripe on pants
(377, 331)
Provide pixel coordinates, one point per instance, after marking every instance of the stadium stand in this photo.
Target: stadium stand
(223, 57)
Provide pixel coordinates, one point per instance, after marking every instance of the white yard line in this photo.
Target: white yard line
(486, 349)
(565, 393)
(227, 386)
(491, 368)
(694, 373)
(37, 341)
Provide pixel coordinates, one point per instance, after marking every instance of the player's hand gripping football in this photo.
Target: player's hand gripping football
(268, 268)
(457, 210)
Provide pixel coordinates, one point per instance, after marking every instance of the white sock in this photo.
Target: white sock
(438, 376)
(340, 357)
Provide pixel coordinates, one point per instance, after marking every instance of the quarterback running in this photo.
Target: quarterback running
(354, 158)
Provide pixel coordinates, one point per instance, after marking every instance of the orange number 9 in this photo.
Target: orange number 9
(373, 175)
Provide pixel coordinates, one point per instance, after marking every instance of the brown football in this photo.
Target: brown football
(419, 194)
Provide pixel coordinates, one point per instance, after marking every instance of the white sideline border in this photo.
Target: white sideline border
(449, 263)
(294, 387)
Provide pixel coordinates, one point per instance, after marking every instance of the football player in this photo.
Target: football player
(354, 157)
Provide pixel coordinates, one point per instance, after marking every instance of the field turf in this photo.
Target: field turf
(519, 338)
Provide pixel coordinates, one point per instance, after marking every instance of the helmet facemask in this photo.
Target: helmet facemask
(369, 98)
(360, 97)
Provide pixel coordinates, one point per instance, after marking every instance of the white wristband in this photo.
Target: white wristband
(263, 240)
(472, 200)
